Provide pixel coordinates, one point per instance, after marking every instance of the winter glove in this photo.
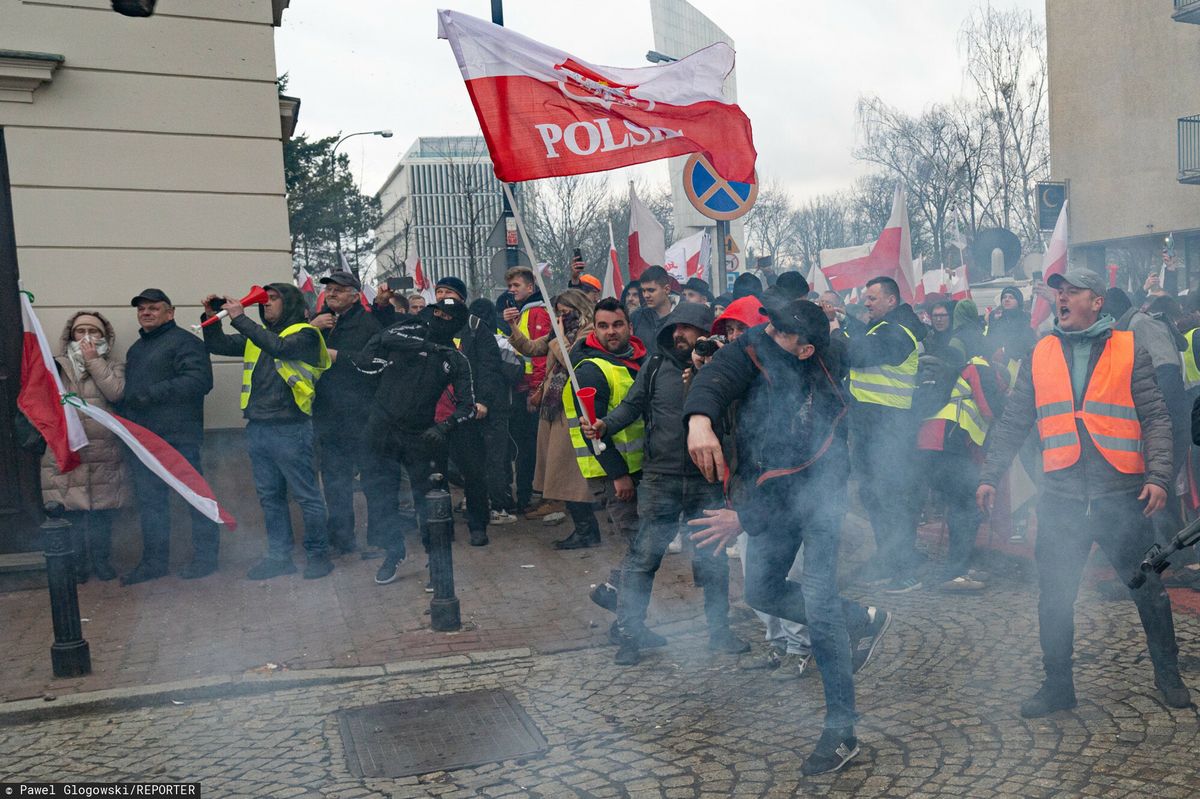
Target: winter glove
(434, 438)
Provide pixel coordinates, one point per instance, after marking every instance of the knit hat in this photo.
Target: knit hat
(454, 284)
(591, 281)
(1014, 292)
(965, 312)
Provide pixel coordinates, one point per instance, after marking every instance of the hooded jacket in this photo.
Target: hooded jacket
(744, 310)
(167, 375)
(343, 392)
(1091, 476)
(100, 482)
(658, 396)
(968, 340)
(590, 376)
(271, 400)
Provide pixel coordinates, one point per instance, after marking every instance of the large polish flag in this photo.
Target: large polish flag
(689, 257)
(45, 402)
(546, 113)
(1054, 262)
(890, 256)
(647, 240)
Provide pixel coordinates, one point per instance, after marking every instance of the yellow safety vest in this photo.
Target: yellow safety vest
(963, 410)
(893, 386)
(523, 326)
(1191, 374)
(301, 377)
(628, 441)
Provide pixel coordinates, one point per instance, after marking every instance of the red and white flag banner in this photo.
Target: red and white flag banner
(890, 256)
(546, 113)
(41, 395)
(647, 240)
(614, 285)
(689, 257)
(422, 284)
(1054, 262)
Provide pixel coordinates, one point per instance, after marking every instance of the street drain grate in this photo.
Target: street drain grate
(417, 736)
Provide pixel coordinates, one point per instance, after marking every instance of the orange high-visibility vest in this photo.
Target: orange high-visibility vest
(1108, 413)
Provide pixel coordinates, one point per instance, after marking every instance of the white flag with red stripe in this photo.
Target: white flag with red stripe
(689, 257)
(1054, 262)
(647, 241)
(42, 392)
(421, 283)
(546, 113)
(959, 285)
(890, 256)
(614, 286)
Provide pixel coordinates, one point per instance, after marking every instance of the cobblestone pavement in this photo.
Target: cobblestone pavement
(939, 708)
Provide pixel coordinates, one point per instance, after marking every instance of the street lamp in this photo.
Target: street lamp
(383, 134)
(655, 57)
(134, 8)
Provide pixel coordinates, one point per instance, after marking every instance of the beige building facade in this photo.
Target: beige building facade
(1123, 73)
(138, 152)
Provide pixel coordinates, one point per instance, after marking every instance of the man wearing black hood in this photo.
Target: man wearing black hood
(883, 380)
(671, 485)
(416, 360)
(281, 362)
(789, 488)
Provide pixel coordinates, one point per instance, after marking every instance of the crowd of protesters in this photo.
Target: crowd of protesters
(726, 424)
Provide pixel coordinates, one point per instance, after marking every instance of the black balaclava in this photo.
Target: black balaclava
(443, 331)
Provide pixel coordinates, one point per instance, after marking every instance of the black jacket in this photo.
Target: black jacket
(657, 396)
(271, 399)
(890, 345)
(590, 376)
(344, 391)
(167, 374)
(487, 370)
(646, 323)
(789, 413)
(413, 374)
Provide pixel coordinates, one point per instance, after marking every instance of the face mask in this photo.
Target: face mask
(75, 354)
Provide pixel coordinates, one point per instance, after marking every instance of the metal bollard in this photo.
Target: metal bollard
(443, 608)
(69, 655)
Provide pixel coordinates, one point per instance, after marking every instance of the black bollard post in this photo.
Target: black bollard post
(69, 655)
(443, 608)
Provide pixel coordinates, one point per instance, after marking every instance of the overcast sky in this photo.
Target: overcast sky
(801, 66)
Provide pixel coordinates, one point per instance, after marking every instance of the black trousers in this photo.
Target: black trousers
(1067, 527)
(523, 426)
(496, 443)
(468, 451)
(389, 452)
(154, 510)
(342, 454)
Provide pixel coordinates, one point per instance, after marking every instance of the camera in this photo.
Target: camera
(707, 347)
(216, 304)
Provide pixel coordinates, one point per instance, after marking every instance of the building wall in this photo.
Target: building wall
(152, 158)
(1122, 72)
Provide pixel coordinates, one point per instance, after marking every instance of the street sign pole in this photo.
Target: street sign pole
(510, 244)
(718, 282)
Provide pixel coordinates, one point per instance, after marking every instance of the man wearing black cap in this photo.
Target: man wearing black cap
(790, 488)
(697, 291)
(343, 397)
(167, 374)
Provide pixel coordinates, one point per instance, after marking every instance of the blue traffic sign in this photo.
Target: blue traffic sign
(714, 196)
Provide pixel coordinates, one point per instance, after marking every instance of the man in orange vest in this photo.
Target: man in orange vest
(1106, 449)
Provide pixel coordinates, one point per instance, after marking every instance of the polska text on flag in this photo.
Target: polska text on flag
(546, 113)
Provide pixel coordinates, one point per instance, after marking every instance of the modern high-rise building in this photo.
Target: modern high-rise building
(1124, 132)
(679, 30)
(439, 204)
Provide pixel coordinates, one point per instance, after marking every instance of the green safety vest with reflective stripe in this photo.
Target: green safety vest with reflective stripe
(1191, 374)
(523, 326)
(963, 410)
(893, 386)
(301, 377)
(628, 441)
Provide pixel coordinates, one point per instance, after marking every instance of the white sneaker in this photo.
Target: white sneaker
(501, 517)
(676, 544)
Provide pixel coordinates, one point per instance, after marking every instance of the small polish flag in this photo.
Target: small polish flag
(647, 241)
(1054, 262)
(614, 286)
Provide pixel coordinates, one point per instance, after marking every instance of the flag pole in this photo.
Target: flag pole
(597, 446)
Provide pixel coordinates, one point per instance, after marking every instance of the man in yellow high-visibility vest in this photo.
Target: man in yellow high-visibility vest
(883, 428)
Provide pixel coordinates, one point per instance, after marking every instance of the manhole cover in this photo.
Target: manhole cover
(417, 736)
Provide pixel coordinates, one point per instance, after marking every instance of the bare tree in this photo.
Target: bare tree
(566, 213)
(868, 207)
(819, 224)
(769, 224)
(398, 235)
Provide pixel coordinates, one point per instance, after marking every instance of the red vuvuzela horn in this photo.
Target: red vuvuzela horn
(256, 296)
(587, 399)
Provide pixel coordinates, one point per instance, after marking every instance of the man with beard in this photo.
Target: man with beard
(607, 361)
(417, 361)
(672, 485)
(281, 363)
(789, 488)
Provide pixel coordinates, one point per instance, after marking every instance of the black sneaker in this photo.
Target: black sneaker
(317, 567)
(834, 750)
(723, 640)
(604, 595)
(628, 653)
(1174, 693)
(1054, 695)
(194, 570)
(479, 538)
(267, 568)
(144, 572)
(645, 637)
(387, 570)
(864, 643)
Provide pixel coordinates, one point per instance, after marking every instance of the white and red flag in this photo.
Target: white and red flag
(647, 241)
(421, 284)
(1054, 262)
(614, 286)
(890, 256)
(689, 257)
(959, 284)
(547, 113)
(45, 402)
(42, 392)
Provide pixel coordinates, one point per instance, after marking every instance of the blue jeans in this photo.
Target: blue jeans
(281, 457)
(814, 600)
(661, 499)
